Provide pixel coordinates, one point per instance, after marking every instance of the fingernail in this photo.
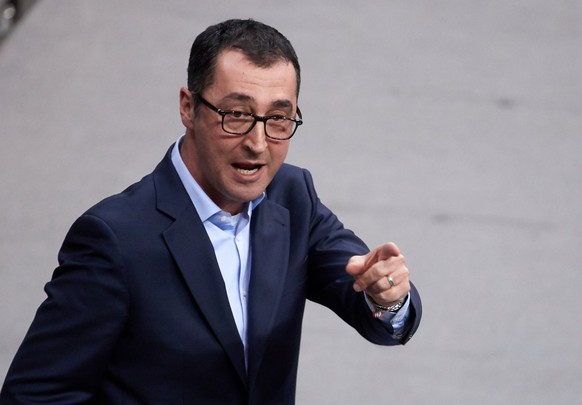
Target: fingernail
(357, 287)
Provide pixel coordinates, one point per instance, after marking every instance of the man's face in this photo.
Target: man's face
(234, 170)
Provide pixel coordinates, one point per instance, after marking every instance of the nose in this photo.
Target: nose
(256, 140)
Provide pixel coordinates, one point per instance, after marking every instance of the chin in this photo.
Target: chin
(248, 195)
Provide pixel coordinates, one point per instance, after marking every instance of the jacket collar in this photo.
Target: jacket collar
(192, 250)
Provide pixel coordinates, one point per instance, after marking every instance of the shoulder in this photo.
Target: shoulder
(155, 194)
(289, 171)
(291, 181)
(136, 198)
(135, 212)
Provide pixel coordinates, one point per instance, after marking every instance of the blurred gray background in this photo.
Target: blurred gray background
(453, 128)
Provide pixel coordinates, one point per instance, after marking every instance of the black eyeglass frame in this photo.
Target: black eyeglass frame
(263, 119)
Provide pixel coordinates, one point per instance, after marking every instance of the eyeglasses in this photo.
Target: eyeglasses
(277, 127)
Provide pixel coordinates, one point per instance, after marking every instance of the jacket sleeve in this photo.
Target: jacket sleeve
(66, 350)
(330, 247)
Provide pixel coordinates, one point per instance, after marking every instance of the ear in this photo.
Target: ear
(187, 107)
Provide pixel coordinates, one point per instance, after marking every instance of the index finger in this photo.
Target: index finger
(382, 252)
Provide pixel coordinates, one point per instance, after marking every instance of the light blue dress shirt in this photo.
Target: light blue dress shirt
(230, 237)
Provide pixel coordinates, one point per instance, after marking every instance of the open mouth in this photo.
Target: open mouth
(246, 169)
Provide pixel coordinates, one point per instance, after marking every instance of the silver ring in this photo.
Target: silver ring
(390, 281)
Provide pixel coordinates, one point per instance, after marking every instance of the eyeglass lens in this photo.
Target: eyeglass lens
(275, 127)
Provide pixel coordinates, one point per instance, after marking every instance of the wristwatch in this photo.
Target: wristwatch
(381, 309)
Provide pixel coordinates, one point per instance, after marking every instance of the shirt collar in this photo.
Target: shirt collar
(203, 204)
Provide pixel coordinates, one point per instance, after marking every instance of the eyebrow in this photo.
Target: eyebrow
(237, 97)
(281, 103)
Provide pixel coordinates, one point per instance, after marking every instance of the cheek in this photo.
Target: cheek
(215, 151)
(279, 153)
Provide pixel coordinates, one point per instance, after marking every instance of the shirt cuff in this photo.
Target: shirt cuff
(397, 320)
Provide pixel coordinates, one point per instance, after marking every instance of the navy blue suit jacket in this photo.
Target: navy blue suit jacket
(137, 311)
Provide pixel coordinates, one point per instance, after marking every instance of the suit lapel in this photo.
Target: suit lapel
(192, 250)
(270, 240)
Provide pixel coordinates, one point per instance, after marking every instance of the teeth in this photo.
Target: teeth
(247, 172)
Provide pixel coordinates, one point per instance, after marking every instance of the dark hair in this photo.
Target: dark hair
(262, 44)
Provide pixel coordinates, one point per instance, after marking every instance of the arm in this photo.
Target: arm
(332, 278)
(66, 350)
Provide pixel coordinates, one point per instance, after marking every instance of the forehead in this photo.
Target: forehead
(235, 73)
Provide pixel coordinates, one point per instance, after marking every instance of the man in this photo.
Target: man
(189, 287)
